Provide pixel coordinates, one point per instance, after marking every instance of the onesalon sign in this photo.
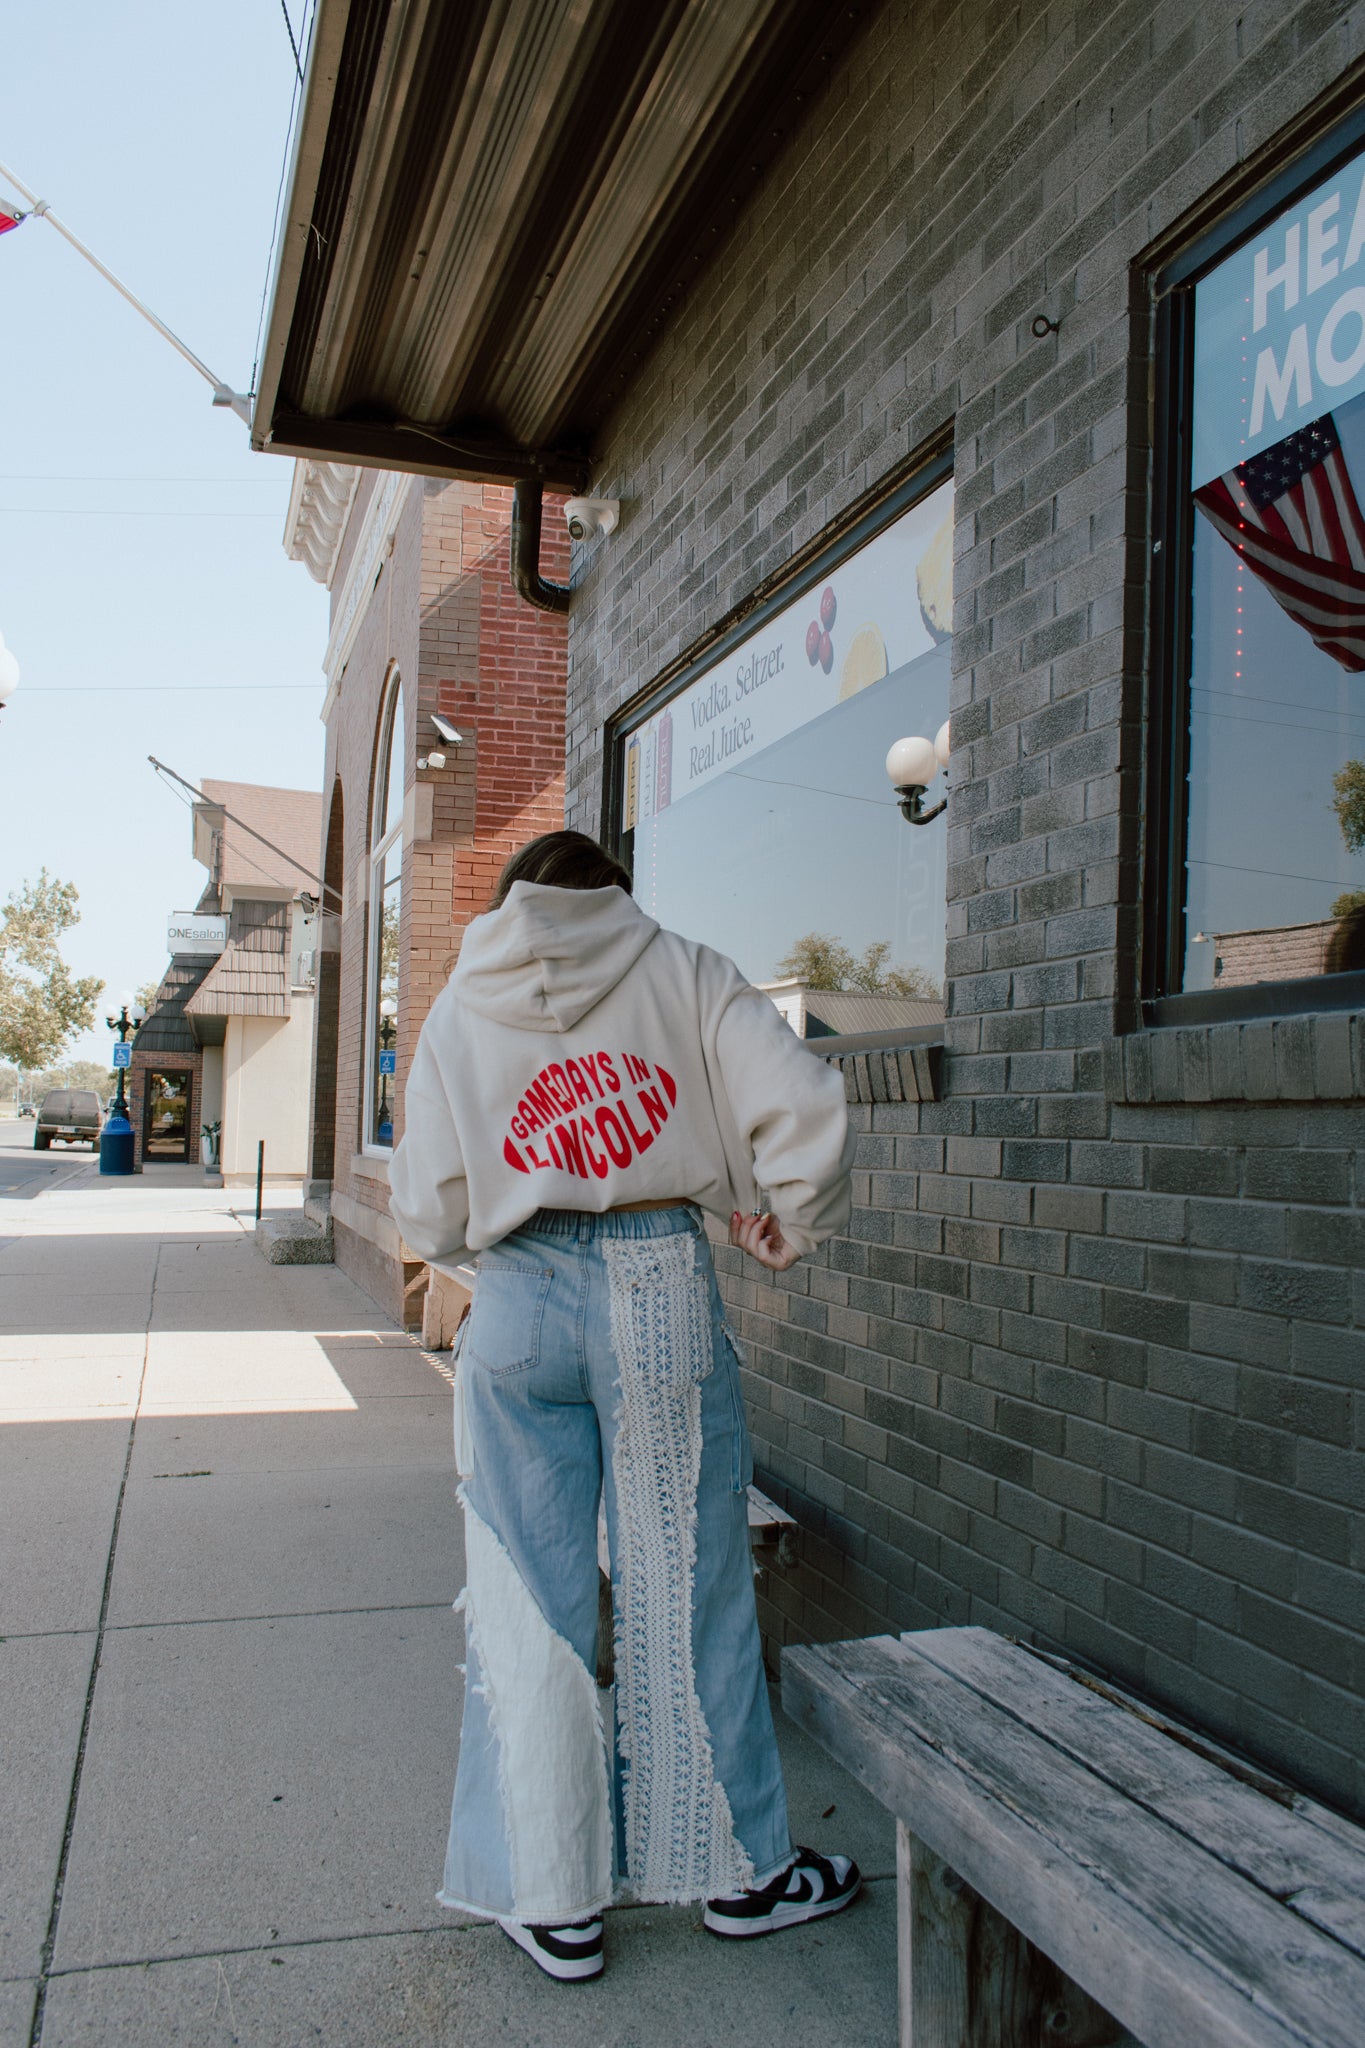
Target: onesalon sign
(188, 933)
(1279, 327)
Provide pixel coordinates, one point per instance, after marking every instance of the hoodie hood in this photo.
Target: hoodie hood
(546, 956)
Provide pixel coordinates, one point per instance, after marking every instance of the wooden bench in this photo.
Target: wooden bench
(772, 1533)
(1072, 1867)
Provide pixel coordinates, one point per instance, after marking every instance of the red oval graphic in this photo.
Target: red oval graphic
(580, 1116)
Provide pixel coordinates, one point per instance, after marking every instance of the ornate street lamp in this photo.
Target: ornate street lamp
(388, 1031)
(116, 1139)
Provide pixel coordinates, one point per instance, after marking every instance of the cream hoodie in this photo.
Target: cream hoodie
(580, 1057)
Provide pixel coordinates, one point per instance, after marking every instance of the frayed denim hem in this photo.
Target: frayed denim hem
(565, 1919)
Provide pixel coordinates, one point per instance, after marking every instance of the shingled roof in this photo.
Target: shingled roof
(290, 819)
(165, 1029)
(250, 977)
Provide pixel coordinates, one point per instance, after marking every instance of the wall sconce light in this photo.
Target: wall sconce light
(912, 765)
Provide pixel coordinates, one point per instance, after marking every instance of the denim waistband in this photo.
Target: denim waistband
(583, 1226)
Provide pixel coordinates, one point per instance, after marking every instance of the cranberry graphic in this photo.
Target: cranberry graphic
(826, 653)
(813, 637)
(828, 607)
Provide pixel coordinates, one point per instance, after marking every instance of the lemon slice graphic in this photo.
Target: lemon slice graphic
(934, 583)
(864, 663)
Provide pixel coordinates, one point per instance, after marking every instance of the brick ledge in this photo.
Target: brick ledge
(1319, 1058)
(906, 1073)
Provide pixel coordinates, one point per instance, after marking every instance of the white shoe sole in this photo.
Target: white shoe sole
(564, 1969)
(784, 1914)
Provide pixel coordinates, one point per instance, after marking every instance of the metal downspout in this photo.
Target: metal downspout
(527, 496)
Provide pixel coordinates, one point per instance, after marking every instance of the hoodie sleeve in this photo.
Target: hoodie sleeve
(428, 1191)
(789, 1108)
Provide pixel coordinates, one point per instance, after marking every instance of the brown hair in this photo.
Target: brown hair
(562, 860)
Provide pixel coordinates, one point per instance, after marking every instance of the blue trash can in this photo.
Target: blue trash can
(116, 1146)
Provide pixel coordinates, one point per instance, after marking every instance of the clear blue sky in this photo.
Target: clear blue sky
(144, 589)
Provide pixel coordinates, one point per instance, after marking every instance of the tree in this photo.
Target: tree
(819, 961)
(912, 984)
(145, 994)
(1348, 903)
(74, 1074)
(1349, 803)
(823, 962)
(42, 1004)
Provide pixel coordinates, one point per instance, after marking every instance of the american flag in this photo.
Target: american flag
(1292, 516)
(10, 216)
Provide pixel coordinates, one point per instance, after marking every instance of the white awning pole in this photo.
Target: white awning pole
(223, 394)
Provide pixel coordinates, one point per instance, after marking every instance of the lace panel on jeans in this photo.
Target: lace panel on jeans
(680, 1837)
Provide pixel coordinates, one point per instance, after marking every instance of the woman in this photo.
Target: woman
(583, 1088)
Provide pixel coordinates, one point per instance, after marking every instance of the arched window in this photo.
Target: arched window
(386, 905)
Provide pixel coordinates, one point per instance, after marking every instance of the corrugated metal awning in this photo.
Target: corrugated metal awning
(494, 207)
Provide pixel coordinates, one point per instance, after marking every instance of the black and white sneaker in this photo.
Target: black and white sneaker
(807, 1889)
(568, 1953)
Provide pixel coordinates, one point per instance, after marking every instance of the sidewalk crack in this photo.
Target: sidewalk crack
(101, 1629)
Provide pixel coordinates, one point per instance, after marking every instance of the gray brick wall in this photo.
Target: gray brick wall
(1089, 1365)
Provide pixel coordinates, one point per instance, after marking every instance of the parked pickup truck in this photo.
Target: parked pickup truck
(71, 1114)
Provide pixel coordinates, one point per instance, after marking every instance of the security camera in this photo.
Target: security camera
(447, 730)
(591, 515)
(431, 760)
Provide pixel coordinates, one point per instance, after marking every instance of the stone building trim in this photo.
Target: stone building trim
(381, 523)
(320, 502)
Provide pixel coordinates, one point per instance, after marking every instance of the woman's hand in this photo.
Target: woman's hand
(761, 1237)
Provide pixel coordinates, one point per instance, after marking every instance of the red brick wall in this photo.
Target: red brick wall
(445, 612)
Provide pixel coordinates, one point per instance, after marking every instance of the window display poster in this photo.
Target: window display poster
(874, 613)
(1279, 335)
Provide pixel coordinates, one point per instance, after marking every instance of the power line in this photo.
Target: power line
(292, 44)
(116, 512)
(295, 105)
(256, 482)
(172, 689)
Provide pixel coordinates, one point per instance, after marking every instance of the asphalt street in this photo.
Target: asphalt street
(25, 1173)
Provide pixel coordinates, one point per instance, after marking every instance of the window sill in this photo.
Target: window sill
(1289, 999)
(371, 1166)
(1304, 1058)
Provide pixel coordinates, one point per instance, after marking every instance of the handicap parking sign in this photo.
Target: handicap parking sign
(123, 1055)
(388, 1063)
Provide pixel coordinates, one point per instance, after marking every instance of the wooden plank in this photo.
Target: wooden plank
(1179, 1949)
(1310, 1872)
(768, 1525)
(764, 1512)
(970, 1980)
(932, 1947)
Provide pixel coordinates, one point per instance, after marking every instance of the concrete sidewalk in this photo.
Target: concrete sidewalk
(229, 1687)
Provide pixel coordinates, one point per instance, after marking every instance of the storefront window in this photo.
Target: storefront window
(1274, 715)
(755, 806)
(386, 905)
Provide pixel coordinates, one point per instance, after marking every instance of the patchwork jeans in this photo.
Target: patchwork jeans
(597, 1362)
